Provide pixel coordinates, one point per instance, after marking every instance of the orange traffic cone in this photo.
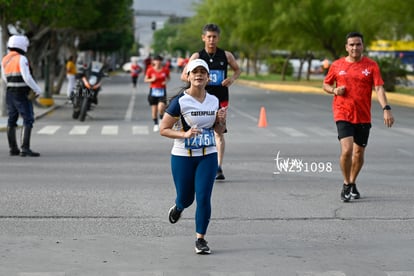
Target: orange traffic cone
(262, 118)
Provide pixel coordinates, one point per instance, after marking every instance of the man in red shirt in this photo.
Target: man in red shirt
(135, 71)
(157, 76)
(351, 79)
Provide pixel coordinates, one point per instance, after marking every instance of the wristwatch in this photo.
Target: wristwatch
(387, 107)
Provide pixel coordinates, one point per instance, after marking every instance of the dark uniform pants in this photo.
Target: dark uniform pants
(18, 103)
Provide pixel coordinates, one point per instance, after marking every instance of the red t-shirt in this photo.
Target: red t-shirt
(161, 77)
(359, 78)
(135, 70)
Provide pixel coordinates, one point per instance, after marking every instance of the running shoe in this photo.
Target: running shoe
(354, 191)
(174, 214)
(201, 246)
(220, 175)
(346, 193)
(156, 128)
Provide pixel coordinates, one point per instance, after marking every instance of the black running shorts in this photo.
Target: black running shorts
(360, 132)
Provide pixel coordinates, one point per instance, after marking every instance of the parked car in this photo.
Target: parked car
(315, 69)
(127, 66)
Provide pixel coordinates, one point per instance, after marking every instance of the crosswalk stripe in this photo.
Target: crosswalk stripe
(109, 130)
(219, 273)
(232, 273)
(325, 273)
(277, 131)
(136, 130)
(141, 273)
(42, 274)
(79, 130)
(48, 130)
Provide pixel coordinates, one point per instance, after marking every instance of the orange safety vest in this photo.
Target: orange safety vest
(12, 71)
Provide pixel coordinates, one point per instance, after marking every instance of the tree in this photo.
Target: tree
(309, 28)
(50, 26)
(382, 19)
(305, 28)
(165, 40)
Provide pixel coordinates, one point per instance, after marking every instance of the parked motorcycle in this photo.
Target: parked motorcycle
(88, 85)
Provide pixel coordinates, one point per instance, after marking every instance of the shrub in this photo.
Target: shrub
(276, 66)
(391, 71)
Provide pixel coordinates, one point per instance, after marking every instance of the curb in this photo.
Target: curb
(393, 98)
(39, 113)
(48, 110)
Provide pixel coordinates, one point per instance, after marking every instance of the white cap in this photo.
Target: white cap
(18, 41)
(196, 63)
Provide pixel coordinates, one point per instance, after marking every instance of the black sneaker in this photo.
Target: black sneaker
(346, 193)
(174, 214)
(354, 191)
(14, 152)
(201, 246)
(220, 175)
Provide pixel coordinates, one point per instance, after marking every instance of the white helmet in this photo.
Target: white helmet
(18, 41)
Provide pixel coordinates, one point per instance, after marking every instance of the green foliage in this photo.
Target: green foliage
(391, 70)
(384, 19)
(54, 25)
(70, 18)
(167, 41)
(276, 64)
(107, 42)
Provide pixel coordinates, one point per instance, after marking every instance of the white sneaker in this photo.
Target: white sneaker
(156, 128)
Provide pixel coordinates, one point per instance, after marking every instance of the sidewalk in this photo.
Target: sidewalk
(39, 110)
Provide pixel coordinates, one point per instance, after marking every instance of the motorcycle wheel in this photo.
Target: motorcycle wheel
(84, 109)
(76, 101)
(75, 114)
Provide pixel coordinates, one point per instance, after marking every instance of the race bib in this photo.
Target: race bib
(203, 140)
(157, 92)
(216, 77)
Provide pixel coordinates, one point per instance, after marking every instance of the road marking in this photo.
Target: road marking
(109, 130)
(305, 131)
(218, 273)
(404, 130)
(79, 130)
(130, 109)
(405, 152)
(139, 130)
(399, 273)
(48, 130)
(244, 114)
(141, 273)
(325, 273)
(42, 274)
(232, 273)
(321, 131)
(292, 132)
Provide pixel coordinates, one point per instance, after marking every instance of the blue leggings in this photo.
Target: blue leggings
(195, 176)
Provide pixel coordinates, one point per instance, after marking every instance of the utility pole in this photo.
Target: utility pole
(3, 108)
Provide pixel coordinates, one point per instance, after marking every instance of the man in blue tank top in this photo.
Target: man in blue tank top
(218, 61)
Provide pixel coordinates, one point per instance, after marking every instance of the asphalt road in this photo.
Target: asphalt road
(96, 201)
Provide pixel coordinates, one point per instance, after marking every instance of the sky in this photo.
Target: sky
(143, 31)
